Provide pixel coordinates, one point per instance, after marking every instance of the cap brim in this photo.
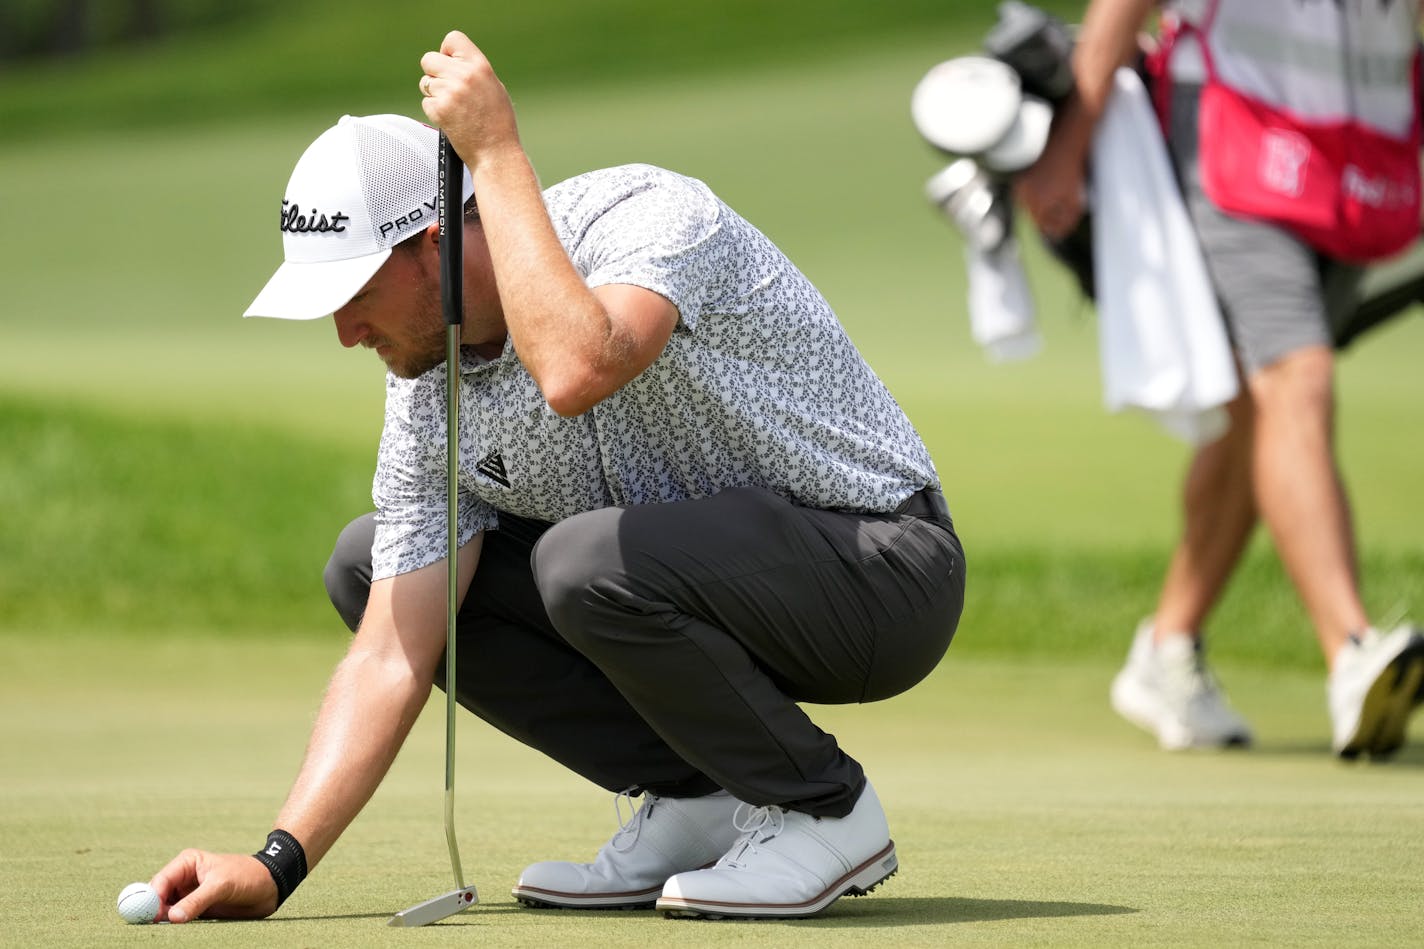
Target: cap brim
(299, 291)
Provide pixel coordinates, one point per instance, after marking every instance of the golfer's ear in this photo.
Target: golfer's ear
(432, 234)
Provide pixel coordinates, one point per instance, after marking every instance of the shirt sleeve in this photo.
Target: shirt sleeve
(409, 486)
(655, 229)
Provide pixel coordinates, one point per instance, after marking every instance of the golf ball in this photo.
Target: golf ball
(138, 903)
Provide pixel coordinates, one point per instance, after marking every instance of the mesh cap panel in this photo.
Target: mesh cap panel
(397, 169)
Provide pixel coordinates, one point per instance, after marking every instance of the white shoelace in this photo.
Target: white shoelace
(628, 830)
(758, 825)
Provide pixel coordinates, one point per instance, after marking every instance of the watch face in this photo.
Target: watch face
(967, 105)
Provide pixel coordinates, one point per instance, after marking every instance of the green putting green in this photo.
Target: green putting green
(1024, 812)
(172, 477)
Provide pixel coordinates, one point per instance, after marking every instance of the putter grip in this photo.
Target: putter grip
(450, 211)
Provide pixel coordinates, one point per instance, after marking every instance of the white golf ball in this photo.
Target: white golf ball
(138, 903)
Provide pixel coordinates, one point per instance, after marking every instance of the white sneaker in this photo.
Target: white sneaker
(1377, 681)
(667, 835)
(789, 864)
(1166, 689)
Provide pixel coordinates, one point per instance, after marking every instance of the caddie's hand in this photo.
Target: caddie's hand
(1051, 191)
(197, 884)
(462, 95)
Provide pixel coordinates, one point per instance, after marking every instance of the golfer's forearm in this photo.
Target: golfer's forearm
(375, 695)
(564, 335)
(368, 710)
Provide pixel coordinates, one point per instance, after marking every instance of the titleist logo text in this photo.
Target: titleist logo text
(295, 222)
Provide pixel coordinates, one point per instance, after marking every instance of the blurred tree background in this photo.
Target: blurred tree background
(122, 64)
(43, 29)
(168, 466)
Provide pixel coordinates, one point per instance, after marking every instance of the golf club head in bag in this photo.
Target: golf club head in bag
(996, 107)
(992, 114)
(1037, 46)
(976, 202)
(974, 110)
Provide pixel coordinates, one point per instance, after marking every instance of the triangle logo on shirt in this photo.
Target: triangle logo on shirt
(492, 467)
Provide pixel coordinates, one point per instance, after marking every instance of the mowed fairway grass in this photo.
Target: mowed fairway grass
(172, 476)
(1024, 813)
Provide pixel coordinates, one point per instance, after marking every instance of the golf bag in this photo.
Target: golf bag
(991, 114)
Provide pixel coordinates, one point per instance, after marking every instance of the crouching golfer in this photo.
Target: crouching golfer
(688, 505)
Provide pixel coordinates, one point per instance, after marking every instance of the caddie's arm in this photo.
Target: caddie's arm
(580, 345)
(1052, 190)
(373, 699)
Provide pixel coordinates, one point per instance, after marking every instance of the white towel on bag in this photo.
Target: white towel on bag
(1161, 338)
(1001, 313)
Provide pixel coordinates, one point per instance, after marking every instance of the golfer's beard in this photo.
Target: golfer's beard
(425, 349)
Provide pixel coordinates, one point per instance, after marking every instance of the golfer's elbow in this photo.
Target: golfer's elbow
(574, 392)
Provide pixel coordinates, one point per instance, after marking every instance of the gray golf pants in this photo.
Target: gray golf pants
(665, 647)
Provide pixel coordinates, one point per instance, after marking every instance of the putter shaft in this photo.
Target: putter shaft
(451, 219)
(452, 593)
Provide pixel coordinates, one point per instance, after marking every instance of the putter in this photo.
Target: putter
(450, 212)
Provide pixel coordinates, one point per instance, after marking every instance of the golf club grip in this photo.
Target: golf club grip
(450, 211)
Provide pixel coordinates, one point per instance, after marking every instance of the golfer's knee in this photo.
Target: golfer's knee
(573, 565)
(348, 572)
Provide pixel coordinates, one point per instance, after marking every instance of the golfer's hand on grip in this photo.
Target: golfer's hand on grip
(468, 102)
(197, 884)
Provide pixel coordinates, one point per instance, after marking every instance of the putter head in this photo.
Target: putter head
(436, 908)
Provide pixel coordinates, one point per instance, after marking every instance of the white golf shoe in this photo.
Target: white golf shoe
(1376, 683)
(1165, 688)
(667, 835)
(789, 864)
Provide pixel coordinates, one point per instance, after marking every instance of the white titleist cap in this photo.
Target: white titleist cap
(362, 187)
